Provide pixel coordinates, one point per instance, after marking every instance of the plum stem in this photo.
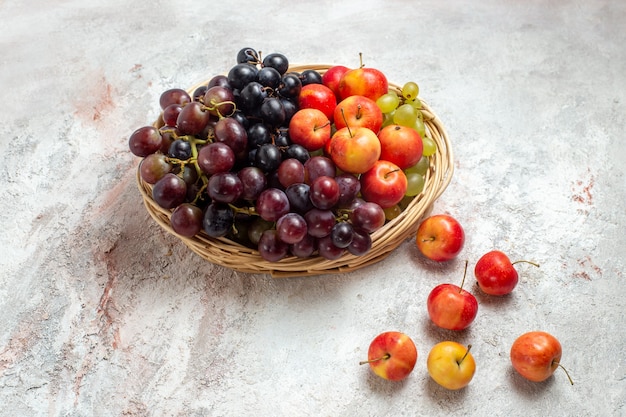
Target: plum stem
(464, 356)
(464, 275)
(571, 381)
(528, 262)
(382, 358)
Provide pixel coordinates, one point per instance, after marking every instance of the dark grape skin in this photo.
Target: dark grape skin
(219, 80)
(318, 166)
(218, 220)
(229, 131)
(272, 112)
(324, 192)
(224, 187)
(241, 75)
(291, 228)
(186, 220)
(180, 149)
(258, 134)
(268, 157)
(276, 61)
(170, 191)
(290, 108)
(304, 248)
(192, 119)
(290, 86)
(251, 97)
(247, 55)
(290, 171)
(298, 152)
(220, 101)
(153, 167)
(361, 242)
(349, 187)
(253, 181)
(174, 96)
(342, 234)
(310, 77)
(215, 157)
(368, 216)
(327, 249)
(170, 114)
(145, 141)
(319, 222)
(271, 248)
(272, 204)
(298, 196)
(269, 77)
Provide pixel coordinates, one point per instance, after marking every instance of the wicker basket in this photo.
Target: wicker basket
(227, 253)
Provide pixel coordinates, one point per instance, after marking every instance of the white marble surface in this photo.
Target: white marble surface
(104, 314)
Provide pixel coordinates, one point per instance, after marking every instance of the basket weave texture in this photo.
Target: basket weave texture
(230, 254)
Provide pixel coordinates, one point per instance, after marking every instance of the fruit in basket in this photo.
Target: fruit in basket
(391, 355)
(251, 150)
(358, 111)
(496, 274)
(451, 365)
(363, 81)
(354, 150)
(401, 145)
(320, 97)
(440, 237)
(451, 307)
(384, 184)
(536, 355)
(310, 128)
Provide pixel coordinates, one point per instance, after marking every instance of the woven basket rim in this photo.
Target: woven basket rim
(232, 255)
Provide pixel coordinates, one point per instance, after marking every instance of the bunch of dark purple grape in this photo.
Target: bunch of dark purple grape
(223, 163)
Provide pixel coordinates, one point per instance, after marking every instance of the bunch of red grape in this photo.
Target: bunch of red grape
(223, 162)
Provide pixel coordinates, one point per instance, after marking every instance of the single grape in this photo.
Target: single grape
(174, 96)
(256, 229)
(145, 141)
(290, 171)
(318, 166)
(341, 234)
(247, 55)
(241, 75)
(415, 184)
(291, 228)
(220, 101)
(215, 157)
(170, 191)
(310, 76)
(170, 114)
(219, 80)
(268, 157)
(319, 222)
(192, 119)
(271, 248)
(272, 112)
(388, 102)
(392, 212)
(349, 187)
(327, 249)
(290, 108)
(410, 90)
(299, 197)
(290, 86)
(298, 152)
(232, 133)
(421, 167)
(304, 248)
(272, 204)
(251, 96)
(153, 167)
(324, 192)
(276, 61)
(258, 134)
(405, 115)
(430, 147)
(269, 77)
(368, 216)
(224, 187)
(180, 149)
(253, 181)
(361, 242)
(186, 220)
(218, 219)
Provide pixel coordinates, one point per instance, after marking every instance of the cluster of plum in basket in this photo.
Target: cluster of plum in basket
(291, 161)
